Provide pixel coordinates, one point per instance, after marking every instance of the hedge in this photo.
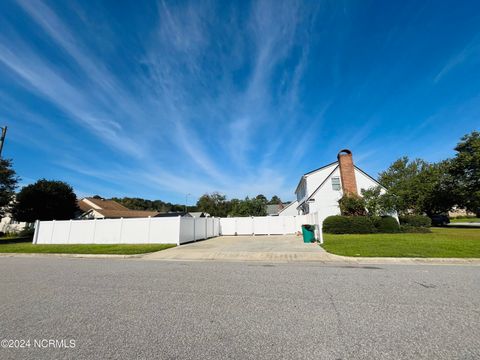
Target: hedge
(415, 220)
(348, 225)
(387, 224)
(360, 224)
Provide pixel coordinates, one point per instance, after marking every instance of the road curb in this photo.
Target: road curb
(87, 256)
(327, 258)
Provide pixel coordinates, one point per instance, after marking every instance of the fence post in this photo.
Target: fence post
(120, 232)
(69, 231)
(37, 229)
(179, 229)
(194, 229)
(94, 230)
(320, 231)
(148, 229)
(206, 228)
(53, 230)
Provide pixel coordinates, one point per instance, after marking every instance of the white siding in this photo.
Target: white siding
(364, 182)
(326, 199)
(313, 181)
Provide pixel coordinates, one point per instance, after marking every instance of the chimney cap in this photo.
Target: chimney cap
(344, 152)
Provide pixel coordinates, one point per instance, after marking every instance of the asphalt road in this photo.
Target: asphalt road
(134, 309)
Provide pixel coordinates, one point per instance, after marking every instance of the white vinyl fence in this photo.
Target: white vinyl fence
(164, 230)
(265, 225)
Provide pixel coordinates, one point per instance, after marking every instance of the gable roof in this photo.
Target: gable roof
(116, 214)
(288, 205)
(319, 186)
(330, 174)
(197, 214)
(89, 203)
(312, 172)
(274, 209)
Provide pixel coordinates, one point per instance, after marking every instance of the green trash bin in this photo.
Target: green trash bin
(308, 232)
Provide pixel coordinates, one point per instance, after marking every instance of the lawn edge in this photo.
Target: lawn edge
(401, 260)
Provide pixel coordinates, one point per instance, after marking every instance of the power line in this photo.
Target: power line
(2, 139)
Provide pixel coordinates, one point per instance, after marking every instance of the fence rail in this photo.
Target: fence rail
(174, 230)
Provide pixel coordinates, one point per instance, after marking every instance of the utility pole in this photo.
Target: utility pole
(186, 201)
(2, 139)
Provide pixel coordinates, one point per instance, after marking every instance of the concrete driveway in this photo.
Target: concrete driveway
(244, 248)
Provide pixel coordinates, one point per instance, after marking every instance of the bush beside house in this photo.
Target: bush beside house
(341, 224)
(349, 225)
(386, 224)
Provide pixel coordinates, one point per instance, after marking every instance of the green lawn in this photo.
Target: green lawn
(464, 220)
(120, 249)
(441, 243)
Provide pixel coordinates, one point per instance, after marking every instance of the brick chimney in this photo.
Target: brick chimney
(347, 172)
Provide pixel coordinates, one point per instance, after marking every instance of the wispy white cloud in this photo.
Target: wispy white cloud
(470, 51)
(182, 123)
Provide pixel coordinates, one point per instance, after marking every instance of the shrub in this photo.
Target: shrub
(336, 225)
(415, 220)
(361, 225)
(352, 205)
(27, 232)
(387, 224)
(348, 225)
(414, 229)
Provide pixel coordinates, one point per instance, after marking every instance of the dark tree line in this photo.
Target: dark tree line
(151, 205)
(218, 205)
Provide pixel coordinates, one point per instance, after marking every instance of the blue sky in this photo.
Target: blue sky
(161, 99)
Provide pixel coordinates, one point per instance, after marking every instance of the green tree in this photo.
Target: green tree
(215, 204)
(465, 170)
(352, 205)
(402, 180)
(45, 200)
(372, 198)
(418, 187)
(8, 183)
(275, 200)
(378, 203)
(248, 207)
(262, 197)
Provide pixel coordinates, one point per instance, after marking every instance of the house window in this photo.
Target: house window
(336, 183)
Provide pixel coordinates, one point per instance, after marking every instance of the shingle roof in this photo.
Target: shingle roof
(274, 209)
(116, 214)
(101, 204)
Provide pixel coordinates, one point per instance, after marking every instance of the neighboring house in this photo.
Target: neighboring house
(456, 212)
(319, 190)
(174, 214)
(273, 210)
(8, 225)
(277, 209)
(289, 209)
(199, 214)
(94, 208)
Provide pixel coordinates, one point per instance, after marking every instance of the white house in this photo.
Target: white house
(319, 190)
